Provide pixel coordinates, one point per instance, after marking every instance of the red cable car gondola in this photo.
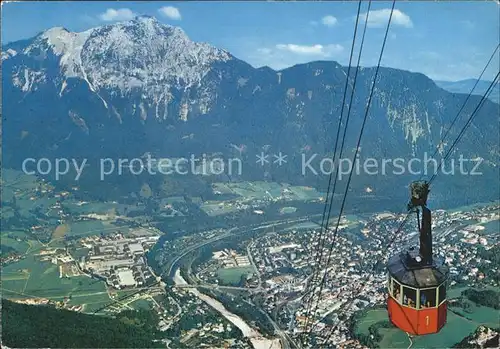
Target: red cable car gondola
(416, 279)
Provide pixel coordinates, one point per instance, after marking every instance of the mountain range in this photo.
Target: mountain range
(465, 86)
(140, 86)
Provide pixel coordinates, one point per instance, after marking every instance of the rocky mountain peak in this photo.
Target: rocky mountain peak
(139, 53)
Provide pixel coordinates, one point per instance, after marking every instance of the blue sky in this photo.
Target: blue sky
(444, 40)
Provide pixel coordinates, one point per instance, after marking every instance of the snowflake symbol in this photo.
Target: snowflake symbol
(262, 159)
(280, 159)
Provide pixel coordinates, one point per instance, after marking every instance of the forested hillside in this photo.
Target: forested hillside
(30, 326)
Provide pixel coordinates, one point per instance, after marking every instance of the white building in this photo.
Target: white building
(126, 278)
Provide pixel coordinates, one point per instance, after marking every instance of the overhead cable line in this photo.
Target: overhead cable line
(325, 232)
(443, 138)
(467, 124)
(323, 281)
(339, 124)
(474, 113)
(359, 140)
(321, 242)
(464, 104)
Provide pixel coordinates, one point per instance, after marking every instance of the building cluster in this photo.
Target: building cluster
(63, 304)
(118, 260)
(227, 259)
(286, 262)
(287, 283)
(231, 259)
(355, 275)
(10, 257)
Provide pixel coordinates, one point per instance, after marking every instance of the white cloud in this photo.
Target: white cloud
(379, 18)
(301, 49)
(329, 21)
(282, 56)
(312, 50)
(121, 14)
(170, 12)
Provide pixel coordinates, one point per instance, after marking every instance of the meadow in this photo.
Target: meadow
(232, 276)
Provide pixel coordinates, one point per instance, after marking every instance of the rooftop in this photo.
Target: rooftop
(136, 248)
(126, 278)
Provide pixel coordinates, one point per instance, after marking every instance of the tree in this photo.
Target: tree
(25, 326)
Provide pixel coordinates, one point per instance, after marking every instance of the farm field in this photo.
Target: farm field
(141, 304)
(41, 279)
(491, 228)
(372, 317)
(249, 191)
(49, 220)
(20, 246)
(286, 210)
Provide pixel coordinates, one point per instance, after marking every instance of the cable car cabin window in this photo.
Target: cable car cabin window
(396, 290)
(409, 297)
(389, 285)
(442, 293)
(428, 298)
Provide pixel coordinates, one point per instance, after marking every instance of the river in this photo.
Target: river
(257, 340)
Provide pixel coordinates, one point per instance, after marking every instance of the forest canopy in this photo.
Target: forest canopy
(32, 326)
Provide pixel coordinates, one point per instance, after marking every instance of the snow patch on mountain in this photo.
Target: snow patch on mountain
(409, 121)
(69, 46)
(27, 79)
(8, 53)
(412, 125)
(144, 53)
(138, 54)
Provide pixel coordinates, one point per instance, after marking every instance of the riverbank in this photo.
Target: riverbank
(257, 340)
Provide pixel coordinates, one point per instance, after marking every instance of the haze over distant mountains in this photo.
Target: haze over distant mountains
(124, 89)
(465, 86)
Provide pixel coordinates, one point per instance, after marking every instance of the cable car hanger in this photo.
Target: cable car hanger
(416, 302)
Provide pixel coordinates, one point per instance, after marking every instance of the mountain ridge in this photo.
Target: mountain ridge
(466, 85)
(132, 91)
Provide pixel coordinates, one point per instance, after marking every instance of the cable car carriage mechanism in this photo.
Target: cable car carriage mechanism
(416, 279)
